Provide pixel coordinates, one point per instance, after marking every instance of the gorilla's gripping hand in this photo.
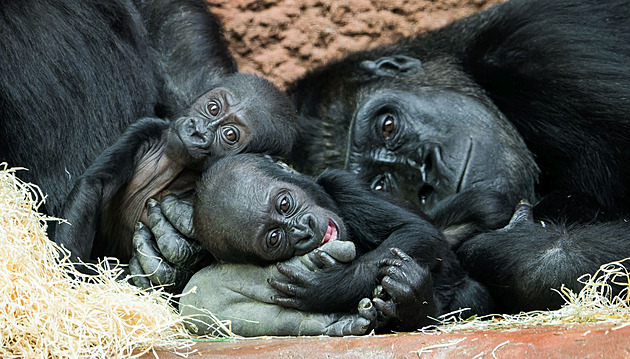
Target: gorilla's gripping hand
(171, 258)
(405, 296)
(240, 293)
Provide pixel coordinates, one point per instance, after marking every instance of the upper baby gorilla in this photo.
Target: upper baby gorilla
(246, 113)
(249, 209)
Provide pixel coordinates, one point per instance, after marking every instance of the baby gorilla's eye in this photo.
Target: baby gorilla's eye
(213, 108)
(389, 125)
(285, 204)
(273, 238)
(230, 135)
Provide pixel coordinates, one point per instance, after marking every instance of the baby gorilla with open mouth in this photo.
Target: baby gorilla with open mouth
(250, 209)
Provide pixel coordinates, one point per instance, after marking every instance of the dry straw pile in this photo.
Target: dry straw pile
(596, 302)
(46, 314)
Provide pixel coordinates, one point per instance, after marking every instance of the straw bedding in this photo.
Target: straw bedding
(46, 314)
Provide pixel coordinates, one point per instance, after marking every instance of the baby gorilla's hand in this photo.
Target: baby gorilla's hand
(172, 258)
(303, 283)
(409, 289)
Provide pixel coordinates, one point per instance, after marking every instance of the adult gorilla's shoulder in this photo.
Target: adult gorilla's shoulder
(527, 100)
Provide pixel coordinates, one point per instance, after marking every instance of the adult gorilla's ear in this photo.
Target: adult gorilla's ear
(392, 65)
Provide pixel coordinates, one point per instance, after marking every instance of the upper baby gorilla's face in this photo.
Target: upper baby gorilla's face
(252, 210)
(244, 114)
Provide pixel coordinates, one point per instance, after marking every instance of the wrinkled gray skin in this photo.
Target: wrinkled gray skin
(236, 292)
(240, 293)
(166, 260)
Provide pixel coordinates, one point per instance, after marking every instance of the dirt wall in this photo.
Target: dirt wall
(283, 39)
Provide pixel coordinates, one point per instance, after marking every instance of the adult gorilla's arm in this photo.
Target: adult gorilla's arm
(522, 262)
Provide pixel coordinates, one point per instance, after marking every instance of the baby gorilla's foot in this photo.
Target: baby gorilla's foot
(406, 297)
(354, 324)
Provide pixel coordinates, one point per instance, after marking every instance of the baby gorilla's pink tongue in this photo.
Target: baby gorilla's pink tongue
(331, 232)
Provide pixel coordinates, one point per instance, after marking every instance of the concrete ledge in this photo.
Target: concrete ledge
(570, 341)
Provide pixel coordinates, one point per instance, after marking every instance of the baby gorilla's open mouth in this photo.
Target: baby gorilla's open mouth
(331, 232)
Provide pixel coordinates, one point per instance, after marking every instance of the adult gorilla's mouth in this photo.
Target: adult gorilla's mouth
(331, 232)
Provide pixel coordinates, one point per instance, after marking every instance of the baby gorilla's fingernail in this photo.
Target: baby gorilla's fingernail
(138, 226)
(151, 202)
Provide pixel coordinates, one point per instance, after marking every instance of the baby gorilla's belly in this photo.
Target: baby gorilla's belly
(120, 216)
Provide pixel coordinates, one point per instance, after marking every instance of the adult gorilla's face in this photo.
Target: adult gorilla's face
(422, 132)
(429, 143)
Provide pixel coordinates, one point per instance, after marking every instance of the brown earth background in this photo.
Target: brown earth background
(283, 39)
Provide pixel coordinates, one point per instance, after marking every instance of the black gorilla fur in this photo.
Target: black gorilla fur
(548, 82)
(75, 74)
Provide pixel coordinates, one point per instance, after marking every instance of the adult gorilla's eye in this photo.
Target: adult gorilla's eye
(230, 134)
(273, 238)
(380, 184)
(389, 125)
(213, 108)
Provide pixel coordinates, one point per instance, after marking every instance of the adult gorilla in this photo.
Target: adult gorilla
(527, 100)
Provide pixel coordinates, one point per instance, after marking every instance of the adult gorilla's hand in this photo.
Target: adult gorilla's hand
(172, 258)
(240, 293)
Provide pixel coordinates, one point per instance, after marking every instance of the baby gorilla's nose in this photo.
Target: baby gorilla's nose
(195, 133)
(304, 235)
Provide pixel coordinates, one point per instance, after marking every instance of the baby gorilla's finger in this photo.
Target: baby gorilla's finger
(179, 212)
(182, 251)
(286, 302)
(177, 249)
(366, 309)
(395, 288)
(386, 307)
(400, 254)
(138, 277)
(149, 257)
(160, 226)
(389, 262)
(295, 275)
(284, 287)
(393, 269)
(379, 292)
